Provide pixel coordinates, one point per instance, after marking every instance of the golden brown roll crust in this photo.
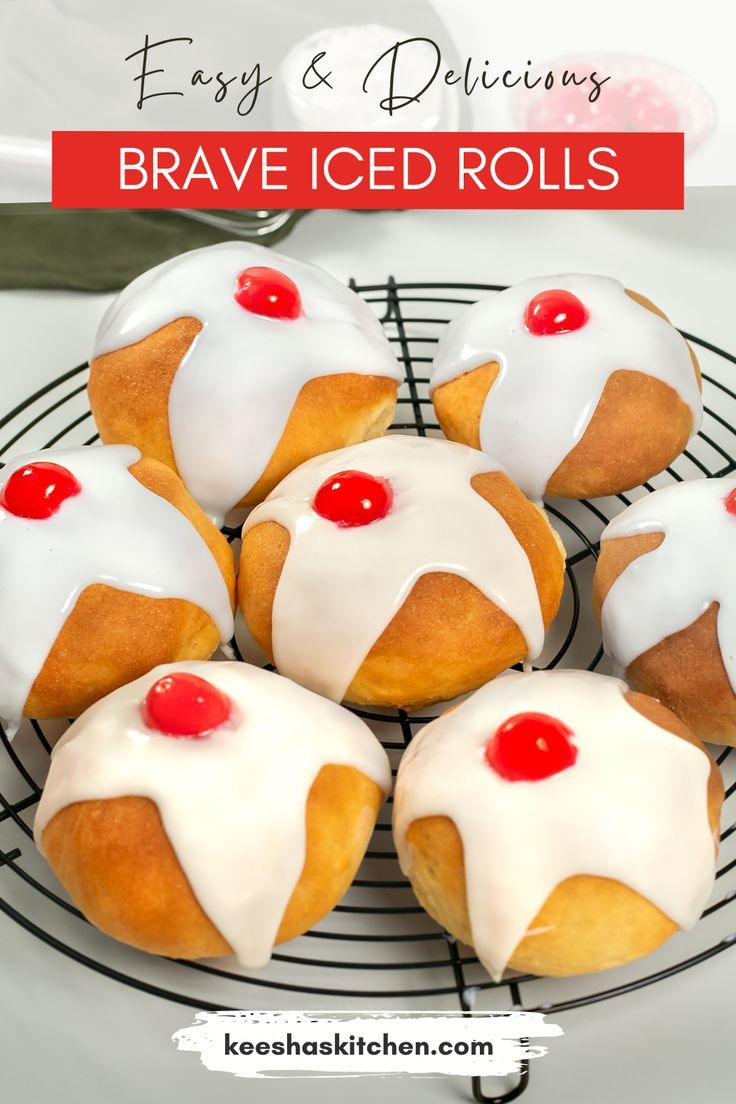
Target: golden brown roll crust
(447, 638)
(587, 923)
(113, 636)
(115, 861)
(685, 670)
(639, 427)
(129, 397)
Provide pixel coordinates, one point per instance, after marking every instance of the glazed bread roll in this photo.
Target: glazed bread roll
(559, 823)
(398, 572)
(577, 386)
(233, 364)
(109, 569)
(174, 793)
(663, 592)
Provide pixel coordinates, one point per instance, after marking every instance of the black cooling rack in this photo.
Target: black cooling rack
(378, 945)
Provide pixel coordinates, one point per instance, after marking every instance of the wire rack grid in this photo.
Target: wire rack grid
(378, 945)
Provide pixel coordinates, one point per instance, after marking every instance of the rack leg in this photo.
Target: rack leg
(512, 1094)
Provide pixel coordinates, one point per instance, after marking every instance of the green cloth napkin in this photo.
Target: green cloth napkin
(99, 250)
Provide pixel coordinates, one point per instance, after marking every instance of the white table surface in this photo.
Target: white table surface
(68, 1033)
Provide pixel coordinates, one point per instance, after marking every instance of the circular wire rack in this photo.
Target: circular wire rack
(378, 945)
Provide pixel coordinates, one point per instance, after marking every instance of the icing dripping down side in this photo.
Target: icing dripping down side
(666, 590)
(345, 584)
(591, 818)
(114, 531)
(548, 387)
(235, 387)
(232, 803)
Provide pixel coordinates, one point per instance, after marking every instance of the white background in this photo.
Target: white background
(70, 1035)
(62, 61)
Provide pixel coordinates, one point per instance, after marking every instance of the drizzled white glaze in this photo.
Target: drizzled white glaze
(632, 808)
(666, 590)
(548, 387)
(236, 385)
(116, 532)
(340, 587)
(233, 803)
(348, 49)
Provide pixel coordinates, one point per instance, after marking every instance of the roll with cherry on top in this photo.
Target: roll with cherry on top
(211, 809)
(559, 823)
(233, 364)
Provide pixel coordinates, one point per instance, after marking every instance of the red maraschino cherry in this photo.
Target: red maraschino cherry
(570, 109)
(637, 104)
(38, 490)
(554, 312)
(650, 108)
(730, 501)
(185, 705)
(529, 747)
(268, 292)
(353, 498)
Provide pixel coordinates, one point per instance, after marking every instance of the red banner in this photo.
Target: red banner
(276, 169)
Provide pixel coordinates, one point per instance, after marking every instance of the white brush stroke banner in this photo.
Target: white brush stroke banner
(345, 1044)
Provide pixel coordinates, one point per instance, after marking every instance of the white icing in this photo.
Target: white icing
(351, 50)
(237, 383)
(340, 587)
(115, 531)
(666, 590)
(632, 808)
(233, 803)
(548, 387)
